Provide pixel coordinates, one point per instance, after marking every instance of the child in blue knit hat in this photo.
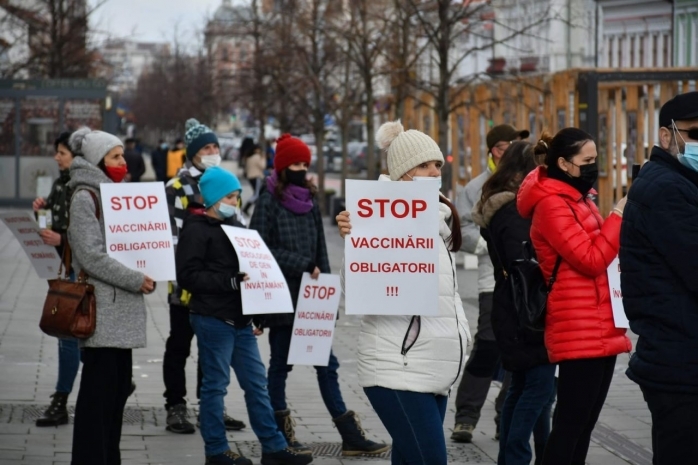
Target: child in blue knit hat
(208, 267)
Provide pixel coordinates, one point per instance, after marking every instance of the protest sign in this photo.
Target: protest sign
(266, 291)
(392, 254)
(44, 258)
(619, 317)
(313, 326)
(137, 227)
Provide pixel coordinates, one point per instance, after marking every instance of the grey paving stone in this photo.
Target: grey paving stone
(28, 369)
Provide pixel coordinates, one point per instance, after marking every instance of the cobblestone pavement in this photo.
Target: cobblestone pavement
(28, 370)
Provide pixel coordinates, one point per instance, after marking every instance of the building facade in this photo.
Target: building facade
(126, 60)
(635, 34)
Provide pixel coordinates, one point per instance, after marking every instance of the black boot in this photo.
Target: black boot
(57, 413)
(354, 440)
(285, 423)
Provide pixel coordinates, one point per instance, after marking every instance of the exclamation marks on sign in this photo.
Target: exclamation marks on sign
(140, 263)
(267, 295)
(391, 291)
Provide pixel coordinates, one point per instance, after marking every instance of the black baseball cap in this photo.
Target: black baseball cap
(506, 133)
(681, 107)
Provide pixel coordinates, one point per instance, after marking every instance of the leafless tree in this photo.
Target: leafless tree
(55, 34)
(446, 25)
(175, 88)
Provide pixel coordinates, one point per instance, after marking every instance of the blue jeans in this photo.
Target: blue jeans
(415, 422)
(529, 398)
(222, 346)
(68, 364)
(327, 377)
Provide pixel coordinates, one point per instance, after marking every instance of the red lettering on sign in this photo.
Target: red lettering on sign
(318, 292)
(138, 202)
(398, 208)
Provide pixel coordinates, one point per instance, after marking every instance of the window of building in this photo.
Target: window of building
(666, 50)
(632, 52)
(609, 47)
(641, 50)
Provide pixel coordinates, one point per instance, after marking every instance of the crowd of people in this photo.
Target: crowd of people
(535, 198)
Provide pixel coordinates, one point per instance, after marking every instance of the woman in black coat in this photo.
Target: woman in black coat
(523, 352)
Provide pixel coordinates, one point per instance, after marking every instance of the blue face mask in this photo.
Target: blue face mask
(226, 211)
(689, 157)
(163, 146)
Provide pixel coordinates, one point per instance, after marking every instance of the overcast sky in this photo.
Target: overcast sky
(153, 20)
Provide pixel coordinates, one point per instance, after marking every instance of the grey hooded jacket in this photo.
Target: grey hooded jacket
(121, 318)
(472, 241)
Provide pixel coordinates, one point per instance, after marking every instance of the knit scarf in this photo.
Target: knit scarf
(59, 202)
(294, 198)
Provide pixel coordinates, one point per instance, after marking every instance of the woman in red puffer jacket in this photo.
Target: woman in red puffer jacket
(580, 333)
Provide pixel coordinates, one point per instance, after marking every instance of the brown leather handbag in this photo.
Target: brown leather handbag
(70, 308)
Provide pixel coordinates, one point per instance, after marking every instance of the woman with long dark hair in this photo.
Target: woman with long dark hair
(288, 219)
(408, 364)
(580, 334)
(528, 402)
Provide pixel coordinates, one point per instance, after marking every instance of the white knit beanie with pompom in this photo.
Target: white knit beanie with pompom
(406, 149)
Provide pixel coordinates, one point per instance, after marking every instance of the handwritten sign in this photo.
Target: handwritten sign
(313, 326)
(619, 317)
(266, 291)
(392, 253)
(44, 258)
(137, 227)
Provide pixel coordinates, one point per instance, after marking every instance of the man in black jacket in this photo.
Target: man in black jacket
(659, 280)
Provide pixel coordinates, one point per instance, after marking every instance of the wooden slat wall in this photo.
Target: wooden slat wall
(513, 101)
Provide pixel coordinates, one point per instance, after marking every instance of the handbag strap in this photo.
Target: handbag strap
(67, 252)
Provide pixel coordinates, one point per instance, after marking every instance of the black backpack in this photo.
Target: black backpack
(527, 288)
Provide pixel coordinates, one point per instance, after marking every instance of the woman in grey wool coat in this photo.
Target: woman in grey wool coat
(121, 319)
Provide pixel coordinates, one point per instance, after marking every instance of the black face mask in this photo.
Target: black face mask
(588, 174)
(296, 177)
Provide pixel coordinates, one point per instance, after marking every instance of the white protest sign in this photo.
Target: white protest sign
(619, 317)
(392, 254)
(43, 258)
(313, 326)
(266, 291)
(137, 227)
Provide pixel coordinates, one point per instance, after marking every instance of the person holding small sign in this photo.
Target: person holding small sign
(121, 317)
(208, 267)
(580, 334)
(56, 207)
(202, 153)
(288, 220)
(408, 364)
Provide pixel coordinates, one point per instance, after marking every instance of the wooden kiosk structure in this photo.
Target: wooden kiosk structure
(619, 109)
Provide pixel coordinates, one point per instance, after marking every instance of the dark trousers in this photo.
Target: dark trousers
(674, 426)
(479, 370)
(104, 388)
(414, 421)
(177, 350)
(582, 388)
(526, 410)
(327, 377)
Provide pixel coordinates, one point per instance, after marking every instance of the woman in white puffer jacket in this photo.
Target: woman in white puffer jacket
(408, 364)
